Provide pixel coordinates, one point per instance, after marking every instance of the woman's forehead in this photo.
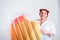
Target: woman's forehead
(44, 11)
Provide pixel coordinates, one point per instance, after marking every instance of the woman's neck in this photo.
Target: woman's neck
(42, 21)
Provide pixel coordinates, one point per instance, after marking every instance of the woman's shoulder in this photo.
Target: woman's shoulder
(50, 22)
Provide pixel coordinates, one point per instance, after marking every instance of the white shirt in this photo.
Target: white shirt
(48, 26)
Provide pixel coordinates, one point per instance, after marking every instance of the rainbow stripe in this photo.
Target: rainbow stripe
(23, 29)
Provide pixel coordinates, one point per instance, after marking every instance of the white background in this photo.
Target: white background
(10, 9)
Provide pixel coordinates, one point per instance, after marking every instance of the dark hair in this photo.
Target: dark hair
(44, 9)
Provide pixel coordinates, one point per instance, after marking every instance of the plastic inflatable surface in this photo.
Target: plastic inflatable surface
(23, 29)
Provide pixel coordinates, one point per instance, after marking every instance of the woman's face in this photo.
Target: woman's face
(43, 14)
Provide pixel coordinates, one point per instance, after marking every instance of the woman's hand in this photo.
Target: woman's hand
(46, 32)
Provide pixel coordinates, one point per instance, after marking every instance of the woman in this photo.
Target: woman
(47, 27)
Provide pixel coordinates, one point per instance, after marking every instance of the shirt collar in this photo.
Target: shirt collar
(44, 22)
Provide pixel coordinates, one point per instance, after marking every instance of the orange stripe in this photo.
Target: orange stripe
(36, 28)
(30, 29)
(13, 34)
(23, 29)
(18, 30)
